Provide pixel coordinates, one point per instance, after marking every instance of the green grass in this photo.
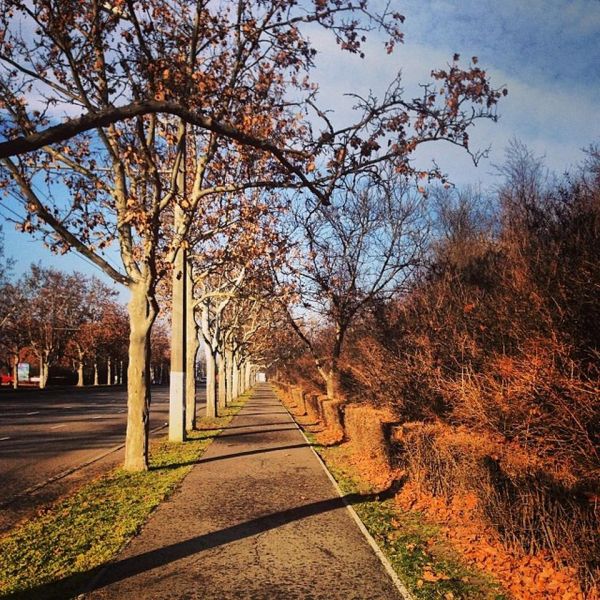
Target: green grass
(56, 553)
(413, 546)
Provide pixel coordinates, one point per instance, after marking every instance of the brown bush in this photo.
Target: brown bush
(531, 510)
(527, 399)
(368, 443)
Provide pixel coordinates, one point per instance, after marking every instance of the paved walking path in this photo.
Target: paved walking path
(256, 519)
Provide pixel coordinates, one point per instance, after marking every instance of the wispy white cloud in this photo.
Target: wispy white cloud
(554, 118)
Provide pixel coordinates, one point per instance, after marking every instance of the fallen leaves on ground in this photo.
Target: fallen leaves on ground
(525, 577)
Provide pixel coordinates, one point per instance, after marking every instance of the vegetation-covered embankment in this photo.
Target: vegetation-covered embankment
(486, 366)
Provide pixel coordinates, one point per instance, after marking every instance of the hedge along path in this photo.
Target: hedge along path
(417, 550)
(257, 519)
(56, 554)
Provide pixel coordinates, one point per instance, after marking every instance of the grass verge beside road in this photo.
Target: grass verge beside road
(55, 554)
(425, 563)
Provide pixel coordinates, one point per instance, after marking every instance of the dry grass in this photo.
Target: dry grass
(533, 520)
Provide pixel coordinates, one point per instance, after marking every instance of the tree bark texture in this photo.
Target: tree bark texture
(15, 372)
(190, 370)
(211, 383)
(236, 381)
(141, 316)
(177, 401)
(222, 393)
(44, 371)
(80, 373)
(229, 374)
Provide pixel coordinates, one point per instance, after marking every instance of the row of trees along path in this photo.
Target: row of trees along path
(143, 189)
(64, 319)
(282, 533)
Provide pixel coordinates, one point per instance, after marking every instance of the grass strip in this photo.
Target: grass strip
(425, 563)
(55, 554)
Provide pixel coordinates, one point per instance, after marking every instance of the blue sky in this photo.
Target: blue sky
(545, 41)
(547, 52)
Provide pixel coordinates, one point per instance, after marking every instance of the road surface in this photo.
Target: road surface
(46, 434)
(256, 519)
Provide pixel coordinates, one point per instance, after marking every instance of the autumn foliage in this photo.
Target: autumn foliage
(489, 362)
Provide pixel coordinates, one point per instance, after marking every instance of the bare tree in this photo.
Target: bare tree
(362, 247)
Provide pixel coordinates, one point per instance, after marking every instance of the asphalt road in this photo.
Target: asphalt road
(46, 434)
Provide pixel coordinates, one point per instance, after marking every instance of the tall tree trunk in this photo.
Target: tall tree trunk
(236, 380)
(222, 392)
(96, 378)
(242, 377)
(211, 382)
(248, 376)
(333, 385)
(108, 371)
(211, 363)
(15, 371)
(142, 312)
(43, 371)
(190, 371)
(46, 373)
(80, 372)
(177, 382)
(229, 367)
(332, 381)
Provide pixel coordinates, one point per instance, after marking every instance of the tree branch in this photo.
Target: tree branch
(108, 116)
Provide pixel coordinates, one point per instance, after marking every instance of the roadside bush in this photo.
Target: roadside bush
(491, 360)
(532, 509)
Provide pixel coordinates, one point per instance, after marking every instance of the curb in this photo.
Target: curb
(69, 471)
(406, 595)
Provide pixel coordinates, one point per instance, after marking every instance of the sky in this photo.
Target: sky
(546, 52)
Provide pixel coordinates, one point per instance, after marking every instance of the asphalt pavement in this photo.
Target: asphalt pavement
(52, 440)
(256, 519)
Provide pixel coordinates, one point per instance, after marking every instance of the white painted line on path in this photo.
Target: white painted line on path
(58, 426)
(3, 439)
(33, 412)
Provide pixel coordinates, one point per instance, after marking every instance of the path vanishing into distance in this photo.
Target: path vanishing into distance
(256, 519)
(48, 435)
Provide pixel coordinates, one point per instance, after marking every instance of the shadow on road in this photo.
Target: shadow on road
(226, 456)
(119, 570)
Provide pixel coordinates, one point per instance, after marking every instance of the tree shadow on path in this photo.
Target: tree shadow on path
(125, 568)
(234, 455)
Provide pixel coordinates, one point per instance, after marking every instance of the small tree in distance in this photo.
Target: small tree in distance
(361, 248)
(96, 334)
